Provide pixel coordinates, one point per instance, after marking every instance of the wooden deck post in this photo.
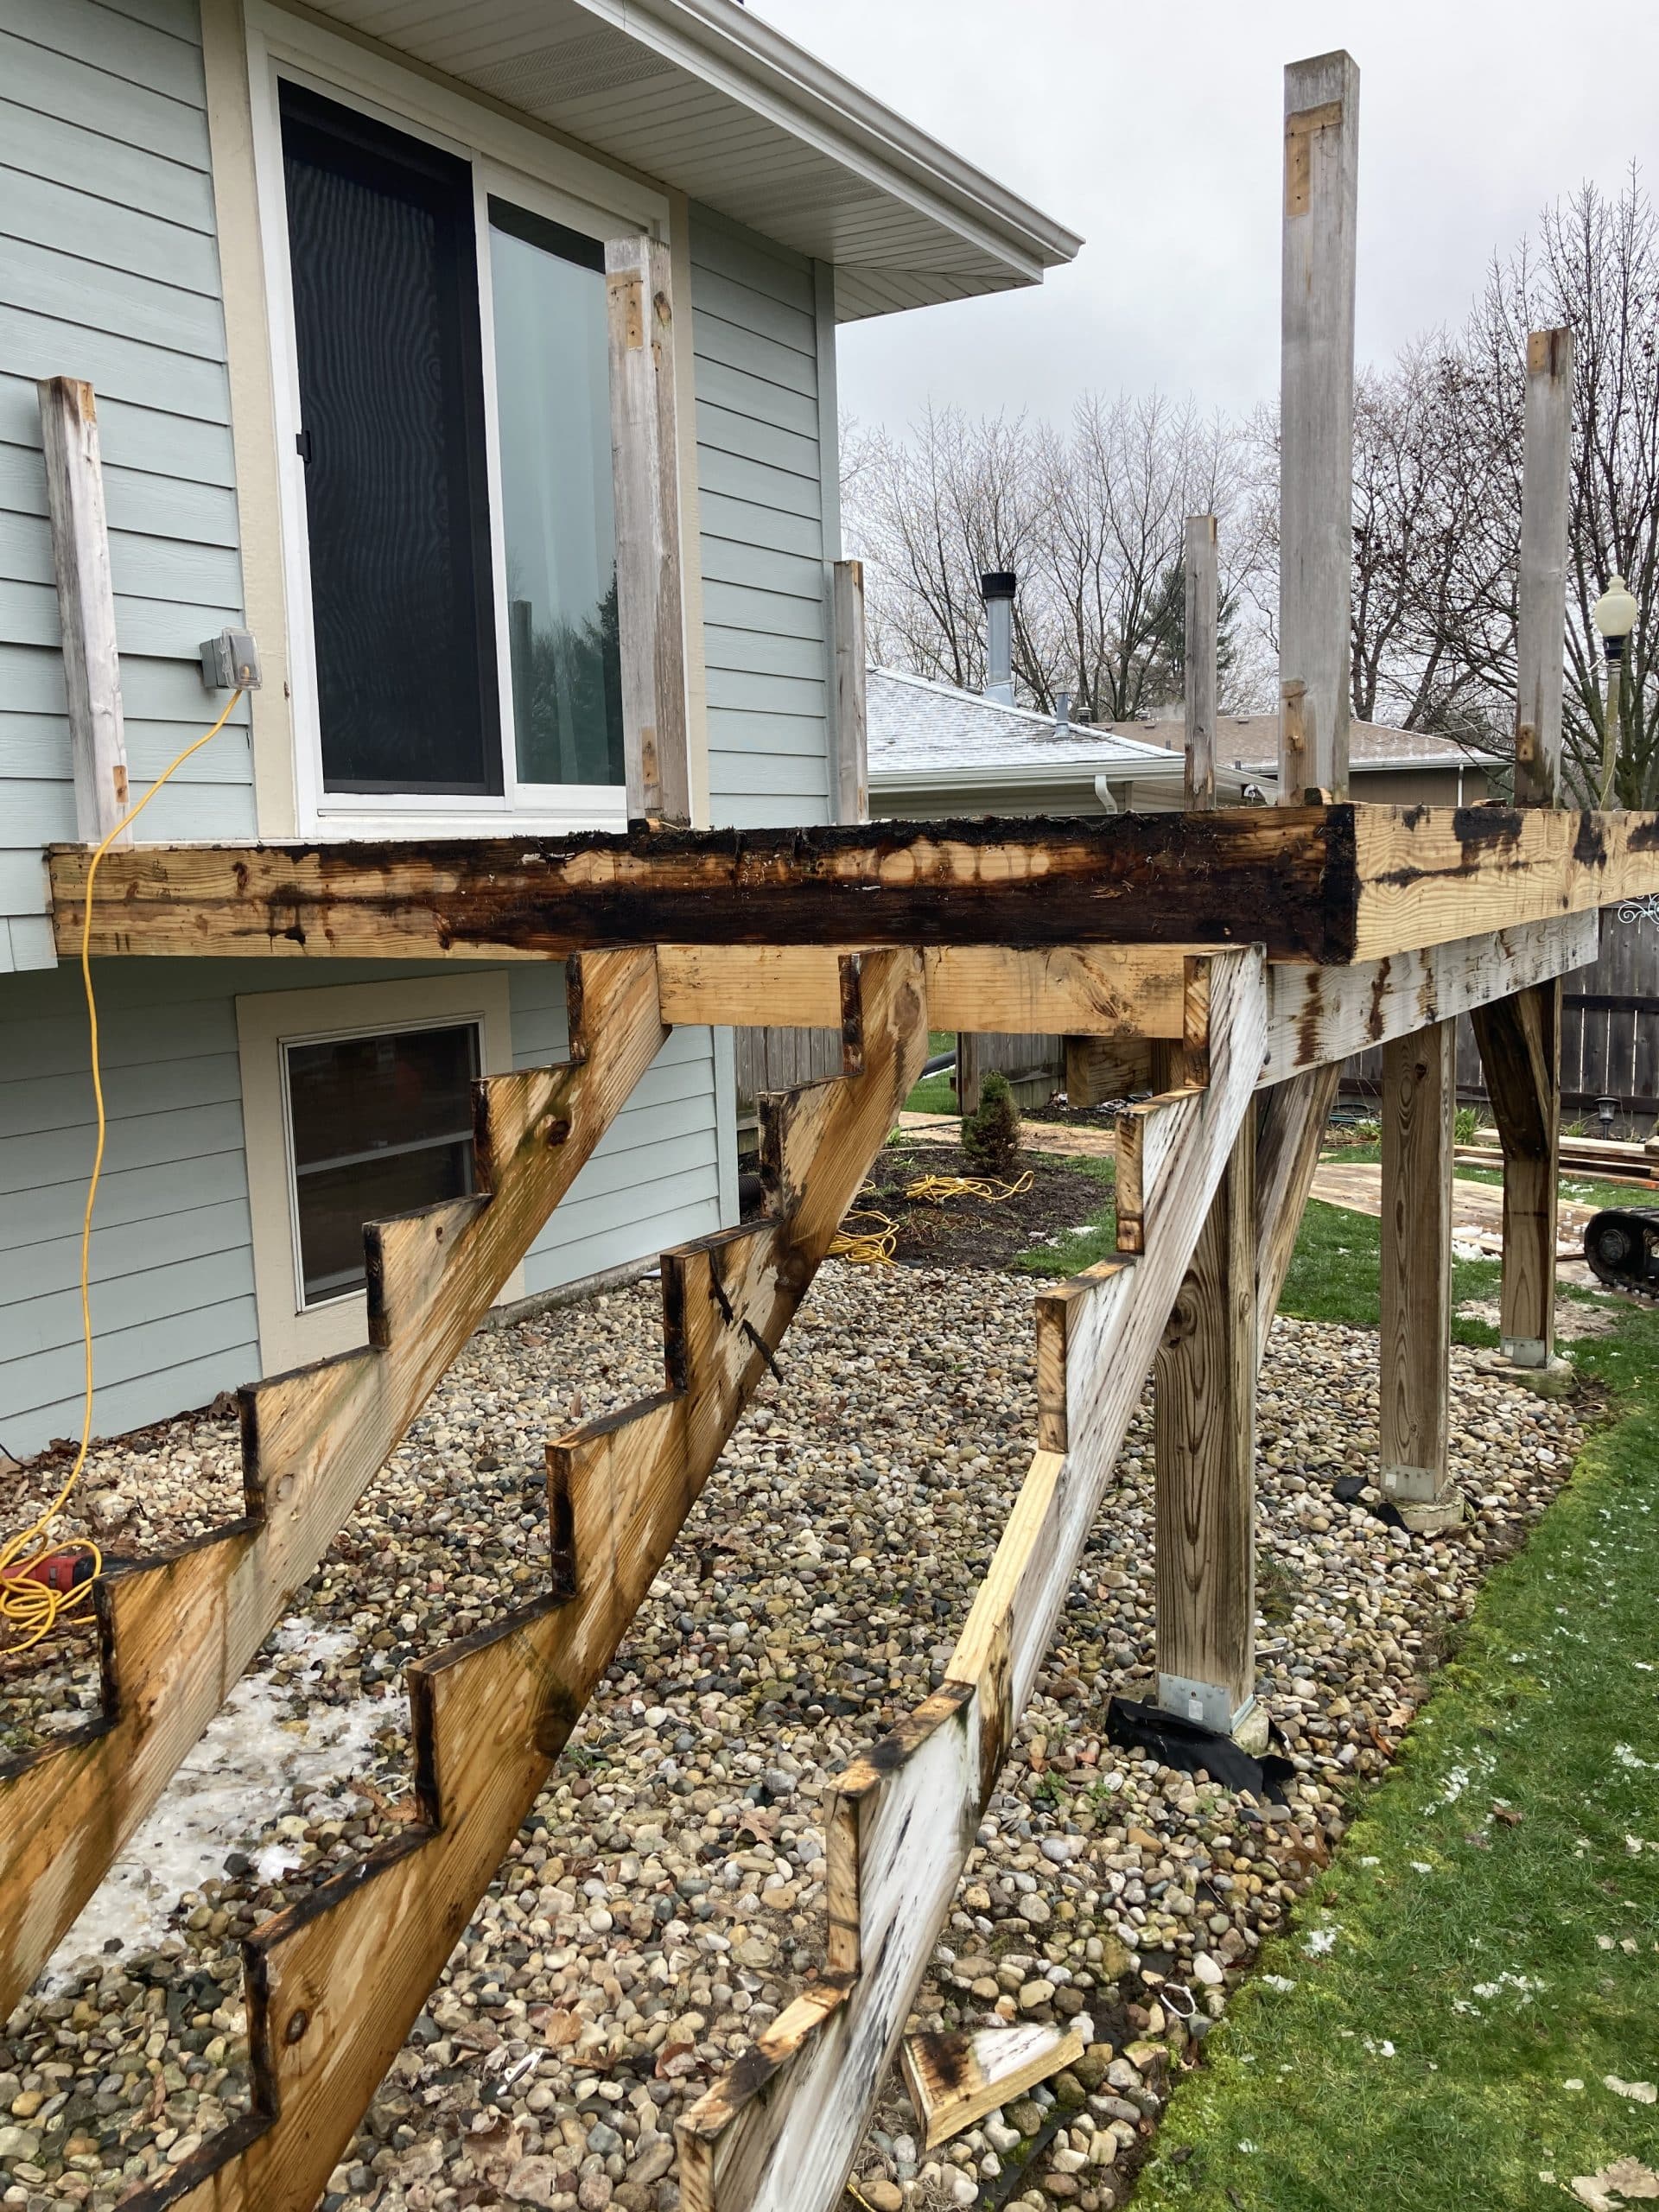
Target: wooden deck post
(1205, 1429)
(1520, 1041)
(1520, 1038)
(1202, 618)
(968, 1072)
(80, 556)
(651, 619)
(850, 797)
(1419, 1097)
(1316, 425)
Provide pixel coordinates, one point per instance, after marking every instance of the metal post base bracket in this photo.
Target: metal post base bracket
(1210, 1705)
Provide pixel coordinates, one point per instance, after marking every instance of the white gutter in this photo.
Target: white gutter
(744, 57)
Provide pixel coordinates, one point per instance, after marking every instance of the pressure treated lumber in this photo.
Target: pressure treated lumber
(335, 1982)
(1128, 991)
(80, 560)
(1520, 1041)
(178, 1630)
(1331, 884)
(849, 727)
(1415, 1353)
(1199, 777)
(955, 2080)
(780, 2133)
(1204, 1456)
(1317, 1015)
(1289, 1134)
(650, 615)
(1279, 876)
(1541, 614)
(1316, 418)
(1099, 1068)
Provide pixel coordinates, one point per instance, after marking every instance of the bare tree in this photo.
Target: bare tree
(1091, 518)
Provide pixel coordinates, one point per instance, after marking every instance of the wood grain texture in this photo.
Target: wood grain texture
(1541, 614)
(1117, 991)
(1414, 1349)
(1099, 1068)
(1200, 569)
(779, 2134)
(1291, 1131)
(179, 1631)
(651, 614)
(1317, 1015)
(336, 1982)
(1279, 876)
(1520, 1041)
(1204, 1451)
(80, 559)
(849, 728)
(955, 2080)
(1316, 415)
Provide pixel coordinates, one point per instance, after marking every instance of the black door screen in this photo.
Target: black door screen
(382, 250)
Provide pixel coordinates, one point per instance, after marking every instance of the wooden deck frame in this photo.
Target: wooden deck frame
(334, 1982)
(1330, 884)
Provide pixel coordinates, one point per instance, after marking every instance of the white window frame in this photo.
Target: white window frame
(291, 1332)
(509, 162)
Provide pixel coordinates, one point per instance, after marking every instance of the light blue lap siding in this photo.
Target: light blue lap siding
(765, 453)
(109, 271)
(172, 1262)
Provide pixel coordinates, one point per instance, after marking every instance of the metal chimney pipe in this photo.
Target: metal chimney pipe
(996, 588)
(1062, 713)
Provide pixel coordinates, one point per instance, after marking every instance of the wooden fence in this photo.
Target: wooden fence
(1610, 1028)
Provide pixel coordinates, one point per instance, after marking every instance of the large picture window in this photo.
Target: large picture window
(457, 651)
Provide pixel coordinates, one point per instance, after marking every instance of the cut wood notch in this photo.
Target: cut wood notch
(179, 1629)
(335, 1982)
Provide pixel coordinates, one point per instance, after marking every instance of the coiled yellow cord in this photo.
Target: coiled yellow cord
(875, 1244)
(31, 1608)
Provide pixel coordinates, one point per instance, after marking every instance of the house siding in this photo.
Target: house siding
(109, 271)
(765, 441)
(173, 1281)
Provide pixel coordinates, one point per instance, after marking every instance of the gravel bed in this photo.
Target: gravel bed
(664, 1898)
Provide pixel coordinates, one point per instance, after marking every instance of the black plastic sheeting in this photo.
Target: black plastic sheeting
(1183, 1743)
(1346, 1491)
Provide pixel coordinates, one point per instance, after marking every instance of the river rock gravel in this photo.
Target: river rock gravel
(664, 1899)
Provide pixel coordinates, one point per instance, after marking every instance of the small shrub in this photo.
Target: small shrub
(1464, 1123)
(990, 1137)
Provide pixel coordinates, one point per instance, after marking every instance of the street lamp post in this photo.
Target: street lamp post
(1614, 614)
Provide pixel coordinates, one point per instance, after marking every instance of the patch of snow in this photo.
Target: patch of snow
(252, 1757)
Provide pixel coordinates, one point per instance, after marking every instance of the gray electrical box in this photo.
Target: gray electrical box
(230, 660)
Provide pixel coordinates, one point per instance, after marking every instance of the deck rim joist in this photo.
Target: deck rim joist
(1328, 885)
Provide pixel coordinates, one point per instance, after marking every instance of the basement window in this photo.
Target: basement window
(377, 1126)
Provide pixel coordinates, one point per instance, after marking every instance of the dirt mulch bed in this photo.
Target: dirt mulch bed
(966, 1232)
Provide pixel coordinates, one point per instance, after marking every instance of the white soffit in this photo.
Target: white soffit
(705, 97)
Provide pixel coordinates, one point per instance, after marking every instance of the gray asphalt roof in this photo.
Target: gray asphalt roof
(916, 724)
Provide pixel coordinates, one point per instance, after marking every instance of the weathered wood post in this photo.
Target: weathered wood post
(650, 617)
(850, 796)
(1202, 620)
(1520, 1038)
(1204, 1443)
(1316, 421)
(80, 557)
(1418, 1098)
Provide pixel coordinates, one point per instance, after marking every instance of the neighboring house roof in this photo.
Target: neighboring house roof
(708, 98)
(1252, 740)
(924, 735)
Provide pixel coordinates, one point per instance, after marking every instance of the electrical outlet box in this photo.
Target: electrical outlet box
(231, 660)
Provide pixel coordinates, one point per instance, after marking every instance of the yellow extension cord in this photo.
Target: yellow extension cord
(30, 1607)
(873, 1246)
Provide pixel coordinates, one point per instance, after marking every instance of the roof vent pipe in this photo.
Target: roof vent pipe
(1062, 714)
(997, 588)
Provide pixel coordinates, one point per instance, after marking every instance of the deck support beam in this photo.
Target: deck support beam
(1205, 1428)
(1520, 1041)
(1419, 1095)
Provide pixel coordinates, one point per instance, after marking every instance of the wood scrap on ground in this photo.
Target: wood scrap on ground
(955, 2080)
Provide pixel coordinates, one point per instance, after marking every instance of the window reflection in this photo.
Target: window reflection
(553, 400)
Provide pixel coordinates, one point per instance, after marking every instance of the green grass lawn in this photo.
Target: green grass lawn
(1081, 1246)
(1436, 2030)
(935, 1094)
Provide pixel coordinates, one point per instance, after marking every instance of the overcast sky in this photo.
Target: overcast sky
(1155, 132)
